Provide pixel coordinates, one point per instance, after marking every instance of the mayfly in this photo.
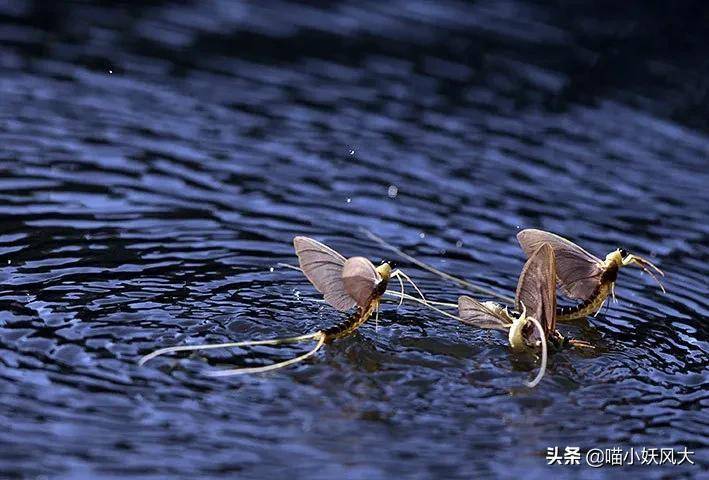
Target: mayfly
(344, 284)
(583, 276)
(534, 324)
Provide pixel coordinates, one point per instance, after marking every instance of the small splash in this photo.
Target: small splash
(349, 200)
(352, 151)
(392, 191)
(110, 72)
(270, 269)
(422, 235)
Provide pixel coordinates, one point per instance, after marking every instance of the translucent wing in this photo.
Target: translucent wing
(578, 272)
(360, 279)
(475, 313)
(537, 288)
(323, 267)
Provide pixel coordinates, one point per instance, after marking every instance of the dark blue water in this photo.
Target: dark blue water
(156, 161)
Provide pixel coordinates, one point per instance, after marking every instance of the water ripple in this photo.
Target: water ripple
(150, 206)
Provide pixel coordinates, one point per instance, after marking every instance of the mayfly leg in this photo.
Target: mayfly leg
(644, 264)
(398, 273)
(581, 344)
(601, 307)
(401, 282)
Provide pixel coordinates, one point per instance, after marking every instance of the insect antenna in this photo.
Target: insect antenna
(435, 271)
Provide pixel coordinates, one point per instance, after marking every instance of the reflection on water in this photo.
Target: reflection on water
(146, 207)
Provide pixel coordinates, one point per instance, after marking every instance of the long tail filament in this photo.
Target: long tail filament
(435, 271)
(427, 304)
(543, 366)
(319, 336)
(240, 371)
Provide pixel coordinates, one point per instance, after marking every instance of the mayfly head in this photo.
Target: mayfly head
(518, 340)
(516, 333)
(616, 257)
(621, 257)
(385, 269)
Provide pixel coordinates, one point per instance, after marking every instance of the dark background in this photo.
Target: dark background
(157, 158)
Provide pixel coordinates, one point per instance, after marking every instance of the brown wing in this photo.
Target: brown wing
(579, 272)
(360, 279)
(323, 267)
(537, 288)
(475, 313)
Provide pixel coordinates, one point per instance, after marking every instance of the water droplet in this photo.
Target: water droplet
(270, 269)
(110, 72)
(422, 235)
(352, 152)
(459, 243)
(392, 191)
(9, 261)
(349, 200)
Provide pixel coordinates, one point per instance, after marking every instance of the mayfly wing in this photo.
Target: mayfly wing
(536, 288)
(323, 267)
(360, 279)
(578, 272)
(548, 287)
(475, 313)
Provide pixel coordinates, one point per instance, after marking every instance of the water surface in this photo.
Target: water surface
(157, 161)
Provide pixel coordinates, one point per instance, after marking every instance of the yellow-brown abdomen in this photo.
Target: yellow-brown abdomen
(588, 307)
